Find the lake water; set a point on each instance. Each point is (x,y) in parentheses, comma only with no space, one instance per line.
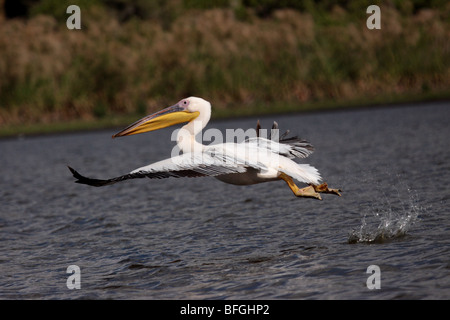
(199,238)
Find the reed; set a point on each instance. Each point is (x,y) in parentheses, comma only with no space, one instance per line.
(234,57)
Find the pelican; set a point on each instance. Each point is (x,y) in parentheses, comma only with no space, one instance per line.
(252,161)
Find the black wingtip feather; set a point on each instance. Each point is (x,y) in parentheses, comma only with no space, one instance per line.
(88,181)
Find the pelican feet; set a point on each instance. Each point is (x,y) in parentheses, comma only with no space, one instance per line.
(323,188)
(307,192)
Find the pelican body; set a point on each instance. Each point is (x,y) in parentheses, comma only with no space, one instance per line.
(252,161)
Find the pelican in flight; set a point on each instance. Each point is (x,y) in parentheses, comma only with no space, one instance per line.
(252,161)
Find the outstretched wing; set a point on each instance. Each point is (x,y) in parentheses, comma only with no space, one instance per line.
(189,165)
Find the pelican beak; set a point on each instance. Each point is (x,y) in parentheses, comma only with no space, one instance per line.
(167,117)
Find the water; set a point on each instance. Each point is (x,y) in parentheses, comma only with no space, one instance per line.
(395,213)
(202,239)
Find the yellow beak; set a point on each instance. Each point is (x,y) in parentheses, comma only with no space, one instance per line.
(167,117)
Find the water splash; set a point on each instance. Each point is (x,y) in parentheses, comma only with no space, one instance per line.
(388,217)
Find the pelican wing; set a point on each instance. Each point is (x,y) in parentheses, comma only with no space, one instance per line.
(209,163)
(212,162)
(296,147)
(290,147)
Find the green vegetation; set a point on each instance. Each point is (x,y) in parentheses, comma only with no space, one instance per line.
(246,57)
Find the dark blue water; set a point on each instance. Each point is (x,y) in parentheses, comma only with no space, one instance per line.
(202,239)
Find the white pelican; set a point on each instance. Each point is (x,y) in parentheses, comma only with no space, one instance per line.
(252,161)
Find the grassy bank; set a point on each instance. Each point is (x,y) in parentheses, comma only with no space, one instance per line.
(245,59)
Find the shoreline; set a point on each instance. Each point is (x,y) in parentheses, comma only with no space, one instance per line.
(255,110)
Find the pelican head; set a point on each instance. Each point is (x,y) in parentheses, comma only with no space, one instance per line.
(186,110)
